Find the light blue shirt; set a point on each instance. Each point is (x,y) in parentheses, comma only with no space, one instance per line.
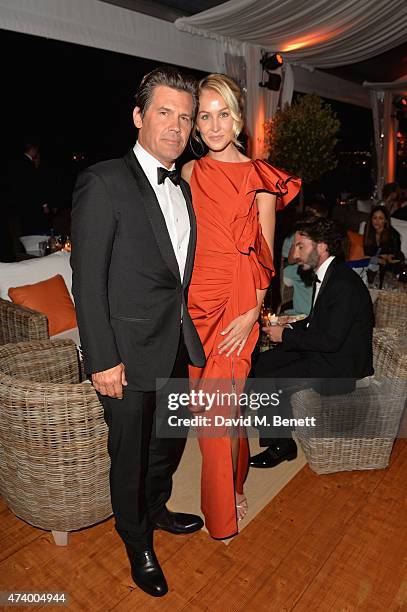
(302,295)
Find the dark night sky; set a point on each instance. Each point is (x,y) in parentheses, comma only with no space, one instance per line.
(72,98)
(68,97)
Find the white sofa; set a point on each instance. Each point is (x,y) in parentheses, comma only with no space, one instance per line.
(32,271)
(31,243)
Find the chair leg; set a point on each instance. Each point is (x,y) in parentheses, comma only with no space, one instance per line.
(60,538)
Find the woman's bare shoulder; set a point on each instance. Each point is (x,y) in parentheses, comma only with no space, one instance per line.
(186,170)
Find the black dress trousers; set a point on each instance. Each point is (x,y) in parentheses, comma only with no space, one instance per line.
(142,464)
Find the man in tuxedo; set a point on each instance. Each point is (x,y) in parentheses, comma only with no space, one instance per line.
(133,242)
(333,342)
(29,191)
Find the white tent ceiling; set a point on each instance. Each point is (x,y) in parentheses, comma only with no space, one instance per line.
(321,34)
(97,24)
(318,34)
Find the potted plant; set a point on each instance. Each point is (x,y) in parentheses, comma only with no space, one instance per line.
(301,138)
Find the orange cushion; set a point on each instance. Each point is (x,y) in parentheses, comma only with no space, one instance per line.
(50,297)
(355,245)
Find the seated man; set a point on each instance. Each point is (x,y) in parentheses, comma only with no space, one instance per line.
(292,277)
(334,341)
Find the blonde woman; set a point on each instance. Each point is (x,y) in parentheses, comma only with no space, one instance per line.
(235,200)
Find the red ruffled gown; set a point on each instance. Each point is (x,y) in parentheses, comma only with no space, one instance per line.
(232,260)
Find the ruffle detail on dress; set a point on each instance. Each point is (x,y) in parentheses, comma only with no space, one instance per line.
(247,233)
(261,263)
(255,267)
(265,177)
(245,228)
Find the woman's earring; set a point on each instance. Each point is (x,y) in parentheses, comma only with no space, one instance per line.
(198,141)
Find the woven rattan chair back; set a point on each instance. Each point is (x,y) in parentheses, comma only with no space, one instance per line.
(19,324)
(391,310)
(54,465)
(371,415)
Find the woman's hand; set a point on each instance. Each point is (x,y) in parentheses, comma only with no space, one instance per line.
(388,259)
(237,332)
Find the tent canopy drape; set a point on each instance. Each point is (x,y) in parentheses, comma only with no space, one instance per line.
(318,34)
(321,34)
(105,26)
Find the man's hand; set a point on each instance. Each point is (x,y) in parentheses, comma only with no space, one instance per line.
(110,382)
(274,332)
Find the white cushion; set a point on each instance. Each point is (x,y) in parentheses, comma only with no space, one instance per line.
(69,334)
(362,226)
(31,271)
(31,243)
(401,227)
(363,383)
(364,205)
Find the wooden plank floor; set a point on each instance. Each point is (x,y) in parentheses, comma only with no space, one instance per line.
(334,542)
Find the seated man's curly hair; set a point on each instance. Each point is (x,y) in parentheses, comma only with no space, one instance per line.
(320,229)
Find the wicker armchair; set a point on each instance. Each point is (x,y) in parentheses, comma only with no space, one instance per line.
(356,431)
(391,310)
(54,465)
(18,324)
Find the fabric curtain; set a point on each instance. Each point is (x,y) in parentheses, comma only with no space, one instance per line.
(235,67)
(242,64)
(318,34)
(288,85)
(321,33)
(384,138)
(377,99)
(389,131)
(105,26)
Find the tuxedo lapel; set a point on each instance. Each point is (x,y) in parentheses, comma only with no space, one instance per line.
(154,213)
(327,276)
(192,235)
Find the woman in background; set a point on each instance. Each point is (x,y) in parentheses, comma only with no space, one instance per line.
(379,234)
(235,200)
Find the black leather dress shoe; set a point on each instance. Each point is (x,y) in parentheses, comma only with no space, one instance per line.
(178,522)
(275,454)
(146,572)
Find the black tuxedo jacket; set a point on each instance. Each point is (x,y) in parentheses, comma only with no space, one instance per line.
(337,343)
(27,195)
(126,282)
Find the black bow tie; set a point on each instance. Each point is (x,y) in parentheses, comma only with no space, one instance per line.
(315,278)
(309,277)
(163,173)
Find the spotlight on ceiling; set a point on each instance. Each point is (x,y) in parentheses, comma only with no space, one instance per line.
(273,83)
(271,61)
(400,104)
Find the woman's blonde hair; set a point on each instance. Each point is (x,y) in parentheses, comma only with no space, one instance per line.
(231,93)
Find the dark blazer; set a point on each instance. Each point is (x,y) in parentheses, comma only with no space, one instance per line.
(338,340)
(27,195)
(126,282)
(400,213)
(334,341)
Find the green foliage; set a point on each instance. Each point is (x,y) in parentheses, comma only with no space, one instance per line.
(301,138)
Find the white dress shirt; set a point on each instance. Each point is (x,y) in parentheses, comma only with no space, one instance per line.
(321,274)
(172,204)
